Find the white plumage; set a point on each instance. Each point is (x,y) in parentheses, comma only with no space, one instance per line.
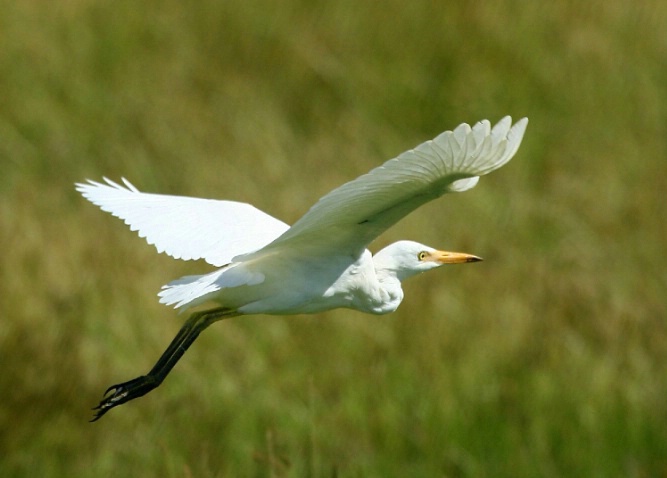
(322,261)
(184,227)
(251,245)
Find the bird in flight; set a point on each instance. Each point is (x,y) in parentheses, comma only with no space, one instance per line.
(264,266)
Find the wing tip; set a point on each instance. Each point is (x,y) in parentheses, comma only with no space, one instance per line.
(509,136)
(89,185)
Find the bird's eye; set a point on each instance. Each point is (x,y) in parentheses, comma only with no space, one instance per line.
(421,256)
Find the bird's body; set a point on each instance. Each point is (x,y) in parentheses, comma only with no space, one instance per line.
(362,282)
(338,281)
(322,261)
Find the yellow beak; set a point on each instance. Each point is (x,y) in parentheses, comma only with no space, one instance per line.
(446,257)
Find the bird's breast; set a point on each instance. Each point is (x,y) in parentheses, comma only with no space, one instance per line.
(315,286)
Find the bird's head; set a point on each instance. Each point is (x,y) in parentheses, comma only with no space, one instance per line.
(404,259)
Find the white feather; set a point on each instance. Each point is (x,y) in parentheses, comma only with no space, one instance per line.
(184,227)
(351,216)
(306,267)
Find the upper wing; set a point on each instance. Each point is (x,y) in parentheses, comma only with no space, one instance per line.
(348,218)
(184,227)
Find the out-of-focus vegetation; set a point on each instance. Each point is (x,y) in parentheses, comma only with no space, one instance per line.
(549,359)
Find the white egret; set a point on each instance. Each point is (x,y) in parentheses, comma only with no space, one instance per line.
(321,262)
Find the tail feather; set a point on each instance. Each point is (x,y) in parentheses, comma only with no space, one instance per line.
(184,292)
(189,291)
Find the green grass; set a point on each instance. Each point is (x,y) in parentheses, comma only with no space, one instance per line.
(548,359)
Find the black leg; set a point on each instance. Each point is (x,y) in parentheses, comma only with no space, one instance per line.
(126,391)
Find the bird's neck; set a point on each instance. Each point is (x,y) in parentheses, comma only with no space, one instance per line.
(390,291)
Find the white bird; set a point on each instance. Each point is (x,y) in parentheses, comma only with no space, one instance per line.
(322,261)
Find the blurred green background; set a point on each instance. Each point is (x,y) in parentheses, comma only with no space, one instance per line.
(548,359)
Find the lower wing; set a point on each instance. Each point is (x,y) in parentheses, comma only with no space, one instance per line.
(184,227)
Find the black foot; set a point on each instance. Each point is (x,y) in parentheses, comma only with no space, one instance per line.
(124,392)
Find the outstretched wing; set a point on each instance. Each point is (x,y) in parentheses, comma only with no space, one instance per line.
(184,227)
(347,219)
